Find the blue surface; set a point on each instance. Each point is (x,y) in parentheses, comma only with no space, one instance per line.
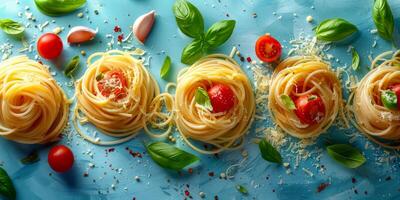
(262,179)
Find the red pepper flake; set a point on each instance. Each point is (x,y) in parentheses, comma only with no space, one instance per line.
(85,174)
(322,187)
(111,149)
(248,59)
(117,29)
(120,37)
(190,170)
(210,173)
(40,62)
(187,193)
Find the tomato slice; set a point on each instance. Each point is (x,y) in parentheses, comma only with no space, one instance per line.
(222,98)
(268,49)
(396,89)
(113,82)
(310,109)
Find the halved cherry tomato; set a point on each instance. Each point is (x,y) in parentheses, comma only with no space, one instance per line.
(222,98)
(396,90)
(113,82)
(49,46)
(60,158)
(268,49)
(310,109)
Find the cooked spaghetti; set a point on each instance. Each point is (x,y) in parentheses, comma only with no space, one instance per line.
(377,122)
(310,77)
(116,95)
(33,108)
(223,130)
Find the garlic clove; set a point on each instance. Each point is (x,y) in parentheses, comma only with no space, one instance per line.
(80,34)
(143,25)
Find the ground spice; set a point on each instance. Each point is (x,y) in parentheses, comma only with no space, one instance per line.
(322,187)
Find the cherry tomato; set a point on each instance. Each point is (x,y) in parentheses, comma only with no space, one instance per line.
(60,158)
(268,49)
(114,82)
(49,46)
(222,98)
(309,109)
(396,90)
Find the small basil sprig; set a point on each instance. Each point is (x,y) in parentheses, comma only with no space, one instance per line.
(165,67)
(11,27)
(335,29)
(58,7)
(242,189)
(6,186)
(389,99)
(72,66)
(346,155)
(355,61)
(288,102)
(31,158)
(191,23)
(201,97)
(268,152)
(170,157)
(383,19)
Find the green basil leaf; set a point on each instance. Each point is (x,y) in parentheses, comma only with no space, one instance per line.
(166,67)
(170,157)
(11,27)
(288,102)
(389,99)
(242,189)
(6,186)
(219,33)
(193,51)
(31,158)
(333,30)
(99,76)
(189,19)
(58,7)
(383,19)
(72,66)
(268,152)
(346,155)
(355,61)
(201,97)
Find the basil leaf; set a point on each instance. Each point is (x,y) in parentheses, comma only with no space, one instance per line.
(170,157)
(268,152)
(165,68)
(346,155)
(242,189)
(99,76)
(189,19)
(31,158)
(219,33)
(383,19)
(11,27)
(201,97)
(72,66)
(193,51)
(58,7)
(6,186)
(355,61)
(288,102)
(335,29)
(389,99)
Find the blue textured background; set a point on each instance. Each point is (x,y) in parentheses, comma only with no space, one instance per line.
(262,179)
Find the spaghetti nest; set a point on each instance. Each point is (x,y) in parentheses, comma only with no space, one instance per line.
(380,124)
(304,76)
(116,95)
(34,109)
(223,130)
